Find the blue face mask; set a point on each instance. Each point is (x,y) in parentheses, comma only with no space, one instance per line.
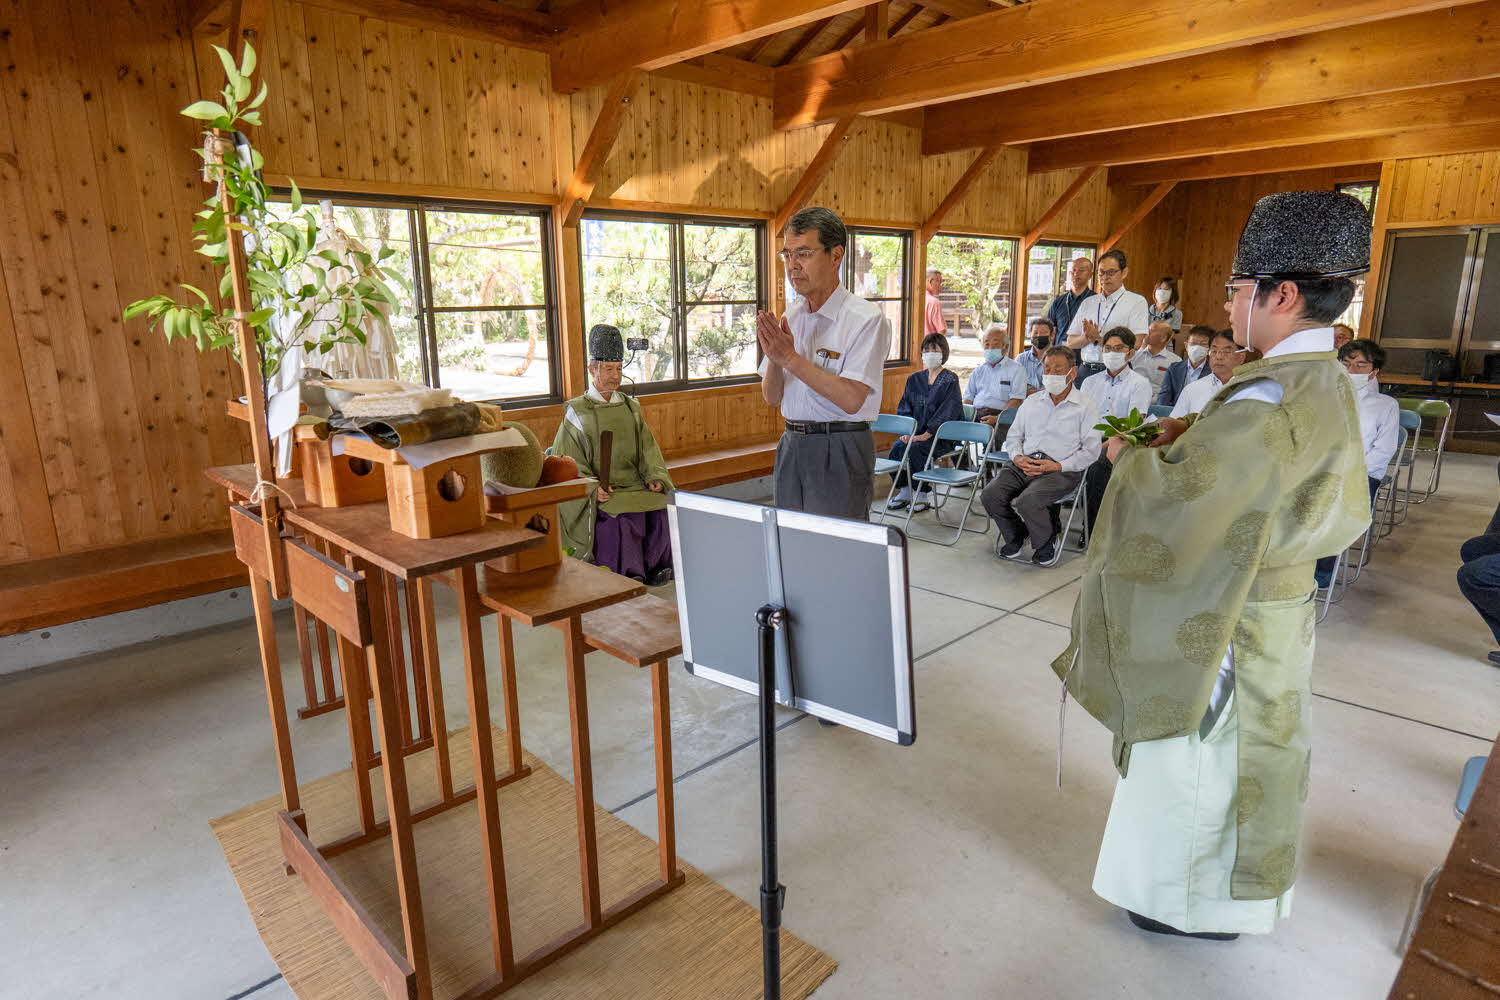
(993,356)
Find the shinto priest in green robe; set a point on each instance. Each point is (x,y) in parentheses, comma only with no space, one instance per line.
(1192,638)
(623,527)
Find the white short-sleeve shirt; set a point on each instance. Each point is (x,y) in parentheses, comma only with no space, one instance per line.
(855,336)
(1196,396)
(1123,308)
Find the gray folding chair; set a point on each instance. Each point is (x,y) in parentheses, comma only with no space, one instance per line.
(1406,459)
(961,433)
(1073,500)
(1159,411)
(892,423)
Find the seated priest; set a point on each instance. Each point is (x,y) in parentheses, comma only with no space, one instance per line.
(623,524)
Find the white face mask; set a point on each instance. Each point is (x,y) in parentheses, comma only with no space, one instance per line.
(1055,384)
(1163,296)
(1114,360)
(1360,379)
(932,359)
(1196,354)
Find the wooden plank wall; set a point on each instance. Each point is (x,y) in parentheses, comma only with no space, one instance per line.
(1444,190)
(105,430)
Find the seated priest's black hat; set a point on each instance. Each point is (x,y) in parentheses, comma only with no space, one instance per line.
(1304,235)
(606,344)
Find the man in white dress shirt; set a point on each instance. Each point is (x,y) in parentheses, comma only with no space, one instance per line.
(1115,391)
(1379,420)
(1155,357)
(1050,443)
(1224,356)
(999,383)
(1113,306)
(823,366)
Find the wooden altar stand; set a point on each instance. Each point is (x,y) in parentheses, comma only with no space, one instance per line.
(354,599)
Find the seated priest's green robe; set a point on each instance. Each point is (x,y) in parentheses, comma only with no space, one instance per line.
(1203,555)
(635,462)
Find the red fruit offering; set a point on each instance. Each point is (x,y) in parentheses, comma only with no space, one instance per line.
(558,469)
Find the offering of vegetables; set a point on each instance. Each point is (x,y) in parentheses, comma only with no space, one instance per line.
(1132,429)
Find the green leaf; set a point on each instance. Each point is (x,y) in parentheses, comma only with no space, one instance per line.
(230,70)
(247,65)
(296,196)
(241,87)
(196,291)
(251,118)
(260,316)
(205,111)
(260,97)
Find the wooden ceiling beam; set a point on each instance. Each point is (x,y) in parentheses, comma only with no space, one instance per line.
(816,171)
(1035,43)
(1347,118)
(957,193)
(1419,50)
(1063,201)
(603,40)
(726,72)
(600,141)
(877,22)
(496,22)
(803,41)
(960,8)
(1402,145)
(904,20)
(1141,211)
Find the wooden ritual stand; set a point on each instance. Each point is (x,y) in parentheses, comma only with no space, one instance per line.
(356,599)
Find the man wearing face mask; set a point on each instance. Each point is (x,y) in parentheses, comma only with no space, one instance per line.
(1189,369)
(1043,336)
(1050,443)
(998,383)
(1192,636)
(824,366)
(1155,357)
(1379,421)
(1115,392)
(1224,356)
(1061,310)
(1113,306)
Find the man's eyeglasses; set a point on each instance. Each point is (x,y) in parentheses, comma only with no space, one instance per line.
(1221,352)
(801,254)
(1231,286)
(1108,272)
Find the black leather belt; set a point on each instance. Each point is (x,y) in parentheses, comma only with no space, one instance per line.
(831,427)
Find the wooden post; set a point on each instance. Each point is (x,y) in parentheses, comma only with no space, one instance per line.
(596,150)
(583,772)
(427,617)
(661,717)
(1383,197)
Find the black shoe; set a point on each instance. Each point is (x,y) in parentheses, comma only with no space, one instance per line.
(1495,657)
(1012,549)
(1046,553)
(661,576)
(1157,927)
(828,725)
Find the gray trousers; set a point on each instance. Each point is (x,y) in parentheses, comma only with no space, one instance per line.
(831,474)
(1018,502)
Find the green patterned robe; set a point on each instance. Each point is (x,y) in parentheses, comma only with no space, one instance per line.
(635,462)
(1210,540)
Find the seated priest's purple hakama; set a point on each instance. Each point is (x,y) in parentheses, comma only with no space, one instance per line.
(623,524)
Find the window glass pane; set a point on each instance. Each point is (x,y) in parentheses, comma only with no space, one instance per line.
(876,270)
(376,228)
(720,264)
(721,340)
(1041,280)
(627,282)
(485,259)
(493,354)
(977,275)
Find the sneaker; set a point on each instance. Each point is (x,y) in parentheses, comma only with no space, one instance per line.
(1012,549)
(900,500)
(661,576)
(1494,657)
(1046,553)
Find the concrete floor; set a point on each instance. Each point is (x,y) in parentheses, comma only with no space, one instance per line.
(952,869)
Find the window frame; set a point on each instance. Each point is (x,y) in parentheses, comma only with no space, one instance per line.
(417,208)
(846,275)
(677,244)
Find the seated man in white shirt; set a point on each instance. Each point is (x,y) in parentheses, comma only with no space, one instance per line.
(1379,421)
(1224,356)
(999,383)
(1115,392)
(1050,443)
(1156,356)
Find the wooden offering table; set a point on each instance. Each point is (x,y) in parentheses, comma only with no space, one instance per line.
(357,600)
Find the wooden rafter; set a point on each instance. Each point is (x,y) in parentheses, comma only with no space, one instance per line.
(1141,211)
(876,22)
(1063,201)
(957,193)
(816,171)
(803,41)
(725,72)
(905,19)
(603,40)
(1022,46)
(600,141)
(476,18)
(1401,145)
(1418,50)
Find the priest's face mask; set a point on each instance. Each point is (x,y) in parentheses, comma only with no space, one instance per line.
(605,376)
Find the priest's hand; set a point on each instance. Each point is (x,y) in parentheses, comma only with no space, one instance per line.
(1113,447)
(775,337)
(655,486)
(1171,430)
(602,495)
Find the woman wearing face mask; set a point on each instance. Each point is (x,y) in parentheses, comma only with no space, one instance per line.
(931,397)
(1164,304)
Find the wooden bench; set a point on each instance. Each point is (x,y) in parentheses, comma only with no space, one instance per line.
(702,469)
(645,632)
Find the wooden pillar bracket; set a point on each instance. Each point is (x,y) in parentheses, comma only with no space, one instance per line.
(959,190)
(816,171)
(600,141)
(1141,211)
(1063,201)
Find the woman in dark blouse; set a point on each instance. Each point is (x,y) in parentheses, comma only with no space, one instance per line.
(933,397)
